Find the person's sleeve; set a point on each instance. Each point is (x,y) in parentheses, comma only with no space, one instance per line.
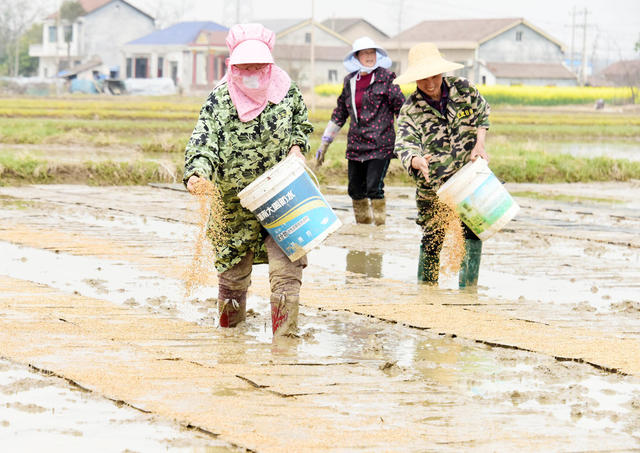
(340,113)
(408,141)
(201,153)
(481,106)
(302,127)
(396,98)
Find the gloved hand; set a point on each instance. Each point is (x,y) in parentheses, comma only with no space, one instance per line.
(320,153)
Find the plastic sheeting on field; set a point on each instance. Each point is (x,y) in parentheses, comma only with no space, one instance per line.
(33,86)
(152,87)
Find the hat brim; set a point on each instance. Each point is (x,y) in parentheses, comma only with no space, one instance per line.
(426,69)
(251,51)
(354,52)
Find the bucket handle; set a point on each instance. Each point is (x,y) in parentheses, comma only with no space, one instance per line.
(312,174)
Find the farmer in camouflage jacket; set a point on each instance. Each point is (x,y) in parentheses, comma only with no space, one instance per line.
(441,126)
(251,121)
(371,100)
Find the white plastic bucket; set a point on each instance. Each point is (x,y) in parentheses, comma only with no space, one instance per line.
(480,199)
(290,207)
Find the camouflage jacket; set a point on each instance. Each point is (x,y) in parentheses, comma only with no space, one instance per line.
(232,154)
(448,138)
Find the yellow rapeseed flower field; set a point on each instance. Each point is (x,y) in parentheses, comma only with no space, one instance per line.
(525,94)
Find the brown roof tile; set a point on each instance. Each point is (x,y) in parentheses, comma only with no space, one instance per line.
(456,30)
(303,52)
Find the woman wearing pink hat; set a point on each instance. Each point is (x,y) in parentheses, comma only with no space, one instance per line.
(372,101)
(251,121)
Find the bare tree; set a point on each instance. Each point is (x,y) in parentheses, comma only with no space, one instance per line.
(16,17)
(70,10)
(168,12)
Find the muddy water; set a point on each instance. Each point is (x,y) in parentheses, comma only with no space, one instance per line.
(551,277)
(45,413)
(629,151)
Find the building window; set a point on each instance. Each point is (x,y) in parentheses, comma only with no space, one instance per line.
(53,33)
(160,66)
(307,38)
(518,36)
(333,75)
(68,33)
(141,68)
(129,68)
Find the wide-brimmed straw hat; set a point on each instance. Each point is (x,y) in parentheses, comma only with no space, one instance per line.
(425,61)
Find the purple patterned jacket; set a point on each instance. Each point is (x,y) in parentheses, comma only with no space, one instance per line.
(371,134)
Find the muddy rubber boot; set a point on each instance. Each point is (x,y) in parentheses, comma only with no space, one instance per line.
(470,266)
(284,314)
(362,211)
(379,210)
(232,307)
(428,267)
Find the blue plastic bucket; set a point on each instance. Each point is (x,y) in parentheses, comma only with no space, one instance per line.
(479,198)
(290,207)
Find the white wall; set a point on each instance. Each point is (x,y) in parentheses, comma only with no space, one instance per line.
(108,28)
(533,47)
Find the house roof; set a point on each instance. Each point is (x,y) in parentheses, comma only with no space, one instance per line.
(216,38)
(90,6)
(342,24)
(476,30)
(302,52)
(180,33)
(530,70)
(622,68)
(279,25)
(285,26)
(80,68)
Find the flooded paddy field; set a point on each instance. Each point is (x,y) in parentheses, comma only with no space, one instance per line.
(99,343)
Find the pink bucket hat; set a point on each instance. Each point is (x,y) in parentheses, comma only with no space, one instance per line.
(250,43)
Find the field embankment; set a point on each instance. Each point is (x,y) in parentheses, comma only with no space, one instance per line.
(136,140)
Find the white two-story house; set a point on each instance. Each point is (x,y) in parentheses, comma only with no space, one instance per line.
(93,40)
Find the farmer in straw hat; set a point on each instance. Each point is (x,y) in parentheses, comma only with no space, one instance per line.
(441,126)
(372,102)
(251,121)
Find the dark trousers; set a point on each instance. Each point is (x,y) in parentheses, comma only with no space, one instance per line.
(366,179)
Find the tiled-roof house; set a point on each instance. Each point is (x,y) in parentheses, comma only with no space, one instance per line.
(503,51)
(93,38)
(191,53)
(292,50)
(354,28)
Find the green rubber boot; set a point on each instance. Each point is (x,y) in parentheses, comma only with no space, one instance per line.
(470,266)
(428,267)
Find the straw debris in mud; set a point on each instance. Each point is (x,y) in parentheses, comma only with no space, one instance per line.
(211,231)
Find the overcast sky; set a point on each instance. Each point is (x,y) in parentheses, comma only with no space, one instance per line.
(613,26)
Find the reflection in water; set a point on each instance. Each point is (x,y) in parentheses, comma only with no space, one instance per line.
(366,263)
(451,363)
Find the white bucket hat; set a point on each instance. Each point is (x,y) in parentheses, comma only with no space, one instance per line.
(425,61)
(364,43)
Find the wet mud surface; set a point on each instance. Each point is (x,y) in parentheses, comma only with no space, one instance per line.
(545,355)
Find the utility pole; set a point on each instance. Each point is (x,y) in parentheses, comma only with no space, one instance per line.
(399,42)
(583,70)
(573,38)
(312,76)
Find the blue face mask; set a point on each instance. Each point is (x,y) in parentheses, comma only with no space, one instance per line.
(353,64)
